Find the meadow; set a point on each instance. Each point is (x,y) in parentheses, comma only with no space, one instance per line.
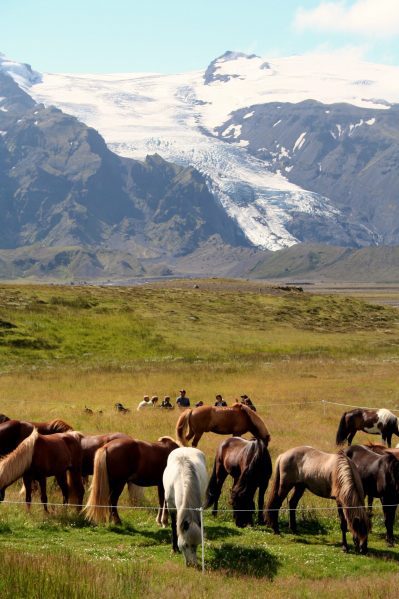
(66,347)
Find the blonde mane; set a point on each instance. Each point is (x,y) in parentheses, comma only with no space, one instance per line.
(13,465)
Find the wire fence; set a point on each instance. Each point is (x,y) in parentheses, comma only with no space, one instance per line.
(199,510)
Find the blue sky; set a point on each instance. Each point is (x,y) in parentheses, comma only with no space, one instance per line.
(175,35)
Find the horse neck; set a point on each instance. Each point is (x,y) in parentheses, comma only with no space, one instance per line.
(252,458)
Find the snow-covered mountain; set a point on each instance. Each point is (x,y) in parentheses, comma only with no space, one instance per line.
(181,117)
(189,119)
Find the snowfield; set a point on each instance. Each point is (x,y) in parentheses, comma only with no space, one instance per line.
(175,116)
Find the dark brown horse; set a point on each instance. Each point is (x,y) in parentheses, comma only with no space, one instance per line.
(379,472)
(124,461)
(376,422)
(249,463)
(38,457)
(329,475)
(90,444)
(237,420)
(12,432)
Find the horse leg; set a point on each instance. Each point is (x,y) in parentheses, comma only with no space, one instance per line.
(261,502)
(77,486)
(221,476)
(388,438)
(196,439)
(389,518)
(344,527)
(292,504)
(162,516)
(28,490)
(174,531)
(275,504)
(43,493)
(370,500)
(61,479)
(116,490)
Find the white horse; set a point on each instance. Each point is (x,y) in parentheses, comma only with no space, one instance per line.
(185,481)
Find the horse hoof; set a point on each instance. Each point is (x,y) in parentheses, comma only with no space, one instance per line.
(345,549)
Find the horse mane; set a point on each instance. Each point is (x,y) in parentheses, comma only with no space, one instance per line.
(347,488)
(59,426)
(249,478)
(13,465)
(258,423)
(3,418)
(191,499)
(166,438)
(376,447)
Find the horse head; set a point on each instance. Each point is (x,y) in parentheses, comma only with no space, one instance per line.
(189,537)
(243,508)
(361,529)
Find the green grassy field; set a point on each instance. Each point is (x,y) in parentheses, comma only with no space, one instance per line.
(64,348)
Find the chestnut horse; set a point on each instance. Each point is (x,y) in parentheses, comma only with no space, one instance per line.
(38,457)
(237,420)
(379,471)
(377,422)
(329,475)
(249,463)
(124,461)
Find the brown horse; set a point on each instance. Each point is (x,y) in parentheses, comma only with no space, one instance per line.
(90,444)
(12,432)
(237,420)
(329,475)
(249,463)
(38,457)
(378,467)
(124,461)
(377,422)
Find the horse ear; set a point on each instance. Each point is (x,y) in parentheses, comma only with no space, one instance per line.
(186,525)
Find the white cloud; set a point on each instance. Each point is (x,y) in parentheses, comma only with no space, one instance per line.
(376,18)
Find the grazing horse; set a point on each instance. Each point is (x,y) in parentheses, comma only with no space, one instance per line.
(38,457)
(237,420)
(124,461)
(249,463)
(329,475)
(377,422)
(185,479)
(379,472)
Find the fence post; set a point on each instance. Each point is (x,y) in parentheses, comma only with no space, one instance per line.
(201,510)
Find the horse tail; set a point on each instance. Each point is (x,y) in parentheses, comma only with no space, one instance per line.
(97,507)
(258,427)
(347,488)
(250,475)
(269,513)
(18,461)
(342,432)
(211,491)
(182,425)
